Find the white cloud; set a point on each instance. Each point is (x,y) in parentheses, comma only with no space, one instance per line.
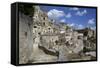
(68,15)
(55,14)
(71,24)
(81,13)
(74,8)
(80,26)
(76,26)
(93,28)
(91,21)
(63,20)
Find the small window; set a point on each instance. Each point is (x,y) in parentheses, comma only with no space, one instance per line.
(44,18)
(44,23)
(79,37)
(49,28)
(39,33)
(56,42)
(35,26)
(25,34)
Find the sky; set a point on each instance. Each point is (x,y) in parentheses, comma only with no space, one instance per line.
(77,17)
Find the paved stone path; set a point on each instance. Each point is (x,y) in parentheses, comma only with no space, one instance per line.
(40,56)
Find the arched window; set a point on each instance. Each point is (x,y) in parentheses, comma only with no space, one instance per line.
(43,18)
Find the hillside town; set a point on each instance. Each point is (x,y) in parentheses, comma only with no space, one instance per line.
(42,40)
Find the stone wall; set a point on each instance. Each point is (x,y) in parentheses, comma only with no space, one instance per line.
(25,38)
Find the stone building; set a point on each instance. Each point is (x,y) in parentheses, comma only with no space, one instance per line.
(41,21)
(49,40)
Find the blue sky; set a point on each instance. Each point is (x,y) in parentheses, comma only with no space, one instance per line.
(73,16)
